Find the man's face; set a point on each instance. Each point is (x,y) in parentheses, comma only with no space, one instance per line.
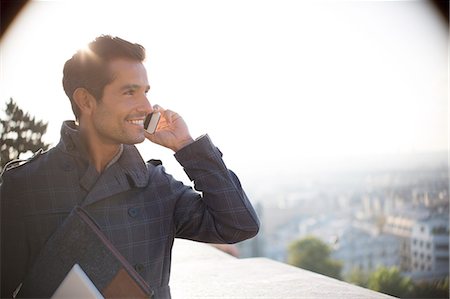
(119,115)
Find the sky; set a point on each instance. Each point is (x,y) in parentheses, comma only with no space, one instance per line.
(280,86)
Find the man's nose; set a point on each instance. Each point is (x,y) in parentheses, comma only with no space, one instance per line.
(145,106)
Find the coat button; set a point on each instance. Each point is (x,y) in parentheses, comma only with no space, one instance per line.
(139,268)
(133,212)
(67,166)
(70,146)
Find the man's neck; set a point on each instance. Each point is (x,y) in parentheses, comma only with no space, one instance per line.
(100,154)
(101,157)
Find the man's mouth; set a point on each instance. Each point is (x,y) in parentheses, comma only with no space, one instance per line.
(137,122)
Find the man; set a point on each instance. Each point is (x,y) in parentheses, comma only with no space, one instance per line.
(139,207)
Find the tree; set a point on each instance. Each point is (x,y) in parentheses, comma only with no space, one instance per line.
(312,254)
(432,289)
(20,133)
(357,277)
(390,281)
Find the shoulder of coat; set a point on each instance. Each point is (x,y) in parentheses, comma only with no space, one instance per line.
(20,162)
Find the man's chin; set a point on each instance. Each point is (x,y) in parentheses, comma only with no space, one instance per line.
(138,139)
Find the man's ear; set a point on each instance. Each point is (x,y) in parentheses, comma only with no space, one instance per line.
(84,100)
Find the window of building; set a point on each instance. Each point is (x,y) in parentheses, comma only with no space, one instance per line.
(442,260)
(441,230)
(441,247)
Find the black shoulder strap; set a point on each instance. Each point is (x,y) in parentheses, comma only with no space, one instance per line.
(155,162)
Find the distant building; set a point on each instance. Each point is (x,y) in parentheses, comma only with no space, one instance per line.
(424,250)
(366,251)
(401,227)
(430,248)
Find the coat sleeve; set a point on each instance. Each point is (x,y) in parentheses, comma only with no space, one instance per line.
(221,212)
(14,251)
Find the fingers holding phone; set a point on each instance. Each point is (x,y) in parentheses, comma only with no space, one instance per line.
(167,128)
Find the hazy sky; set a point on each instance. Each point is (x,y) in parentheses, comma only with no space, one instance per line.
(277,84)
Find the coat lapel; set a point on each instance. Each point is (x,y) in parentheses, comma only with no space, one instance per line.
(129,171)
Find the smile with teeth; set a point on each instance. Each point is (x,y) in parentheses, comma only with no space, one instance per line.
(138,122)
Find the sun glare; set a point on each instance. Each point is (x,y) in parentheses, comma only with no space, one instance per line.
(85,49)
(310,78)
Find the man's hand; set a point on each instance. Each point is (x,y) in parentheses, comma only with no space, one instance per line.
(172,132)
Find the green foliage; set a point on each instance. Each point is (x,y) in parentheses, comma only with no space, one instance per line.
(312,254)
(358,277)
(20,133)
(437,289)
(390,281)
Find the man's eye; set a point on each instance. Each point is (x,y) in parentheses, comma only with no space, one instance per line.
(129,92)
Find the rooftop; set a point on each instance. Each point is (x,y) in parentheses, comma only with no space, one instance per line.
(202,271)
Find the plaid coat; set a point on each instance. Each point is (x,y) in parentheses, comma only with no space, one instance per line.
(137,205)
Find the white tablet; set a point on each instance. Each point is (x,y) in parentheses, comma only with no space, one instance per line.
(77,285)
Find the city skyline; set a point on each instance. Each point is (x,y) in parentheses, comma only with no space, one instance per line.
(390,218)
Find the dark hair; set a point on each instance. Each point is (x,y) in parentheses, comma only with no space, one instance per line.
(89,68)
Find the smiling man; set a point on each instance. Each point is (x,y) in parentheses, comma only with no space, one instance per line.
(137,205)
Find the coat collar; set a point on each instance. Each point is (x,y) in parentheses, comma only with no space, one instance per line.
(127,170)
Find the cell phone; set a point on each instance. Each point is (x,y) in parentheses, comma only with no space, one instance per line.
(151,122)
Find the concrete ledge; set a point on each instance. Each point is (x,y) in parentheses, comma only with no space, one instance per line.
(201,271)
